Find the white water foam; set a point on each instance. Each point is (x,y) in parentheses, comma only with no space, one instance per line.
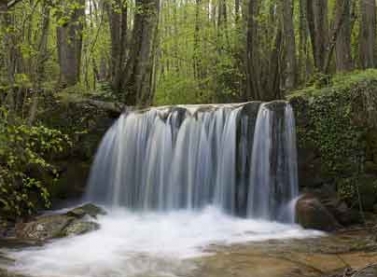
(147,244)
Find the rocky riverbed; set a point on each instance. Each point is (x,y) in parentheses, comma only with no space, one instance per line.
(348,252)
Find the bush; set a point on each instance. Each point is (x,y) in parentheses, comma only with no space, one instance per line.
(25,155)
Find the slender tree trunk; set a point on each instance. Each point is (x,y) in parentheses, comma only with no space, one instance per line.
(237,6)
(138,88)
(318,27)
(3,42)
(303,53)
(222,22)
(69,41)
(368,33)
(118,17)
(274,71)
(289,45)
(196,58)
(8,54)
(343,41)
(251,64)
(41,61)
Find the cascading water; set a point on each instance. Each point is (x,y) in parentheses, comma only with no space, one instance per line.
(191,157)
(234,159)
(273,181)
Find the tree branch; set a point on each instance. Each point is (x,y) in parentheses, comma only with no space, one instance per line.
(12,3)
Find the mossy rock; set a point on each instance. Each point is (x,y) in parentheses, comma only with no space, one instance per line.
(44,228)
(55,226)
(86,210)
(371,140)
(312,214)
(79,228)
(337,125)
(368,192)
(371,167)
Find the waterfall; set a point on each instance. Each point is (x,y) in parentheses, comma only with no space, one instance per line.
(273,174)
(240,158)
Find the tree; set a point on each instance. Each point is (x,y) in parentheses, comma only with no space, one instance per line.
(118,16)
(71,19)
(251,64)
(368,33)
(343,41)
(318,27)
(290,44)
(138,75)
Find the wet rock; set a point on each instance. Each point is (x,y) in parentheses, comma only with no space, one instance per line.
(80,228)
(370,271)
(54,226)
(6,273)
(44,228)
(86,210)
(312,214)
(14,243)
(367,188)
(340,210)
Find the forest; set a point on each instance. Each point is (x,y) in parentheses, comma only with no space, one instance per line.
(151,52)
(176,105)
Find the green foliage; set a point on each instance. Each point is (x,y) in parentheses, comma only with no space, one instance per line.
(199,60)
(25,154)
(338,125)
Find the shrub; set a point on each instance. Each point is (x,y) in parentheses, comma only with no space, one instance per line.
(25,168)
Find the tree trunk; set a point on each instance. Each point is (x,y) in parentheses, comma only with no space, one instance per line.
(318,28)
(117,12)
(4,40)
(41,61)
(304,61)
(343,41)
(251,65)
(69,41)
(368,33)
(140,65)
(8,55)
(237,6)
(196,58)
(290,45)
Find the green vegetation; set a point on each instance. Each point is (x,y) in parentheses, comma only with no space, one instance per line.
(341,126)
(57,56)
(26,171)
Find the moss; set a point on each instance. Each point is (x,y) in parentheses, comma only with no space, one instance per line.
(339,121)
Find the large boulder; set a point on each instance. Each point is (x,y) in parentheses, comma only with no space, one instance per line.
(75,222)
(312,214)
(43,228)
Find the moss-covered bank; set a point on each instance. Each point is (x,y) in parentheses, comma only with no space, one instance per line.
(337,137)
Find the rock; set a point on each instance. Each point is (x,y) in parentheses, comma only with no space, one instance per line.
(312,214)
(43,228)
(87,209)
(54,226)
(369,271)
(370,167)
(80,228)
(6,273)
(14,243)
(367,188)
(340,210)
